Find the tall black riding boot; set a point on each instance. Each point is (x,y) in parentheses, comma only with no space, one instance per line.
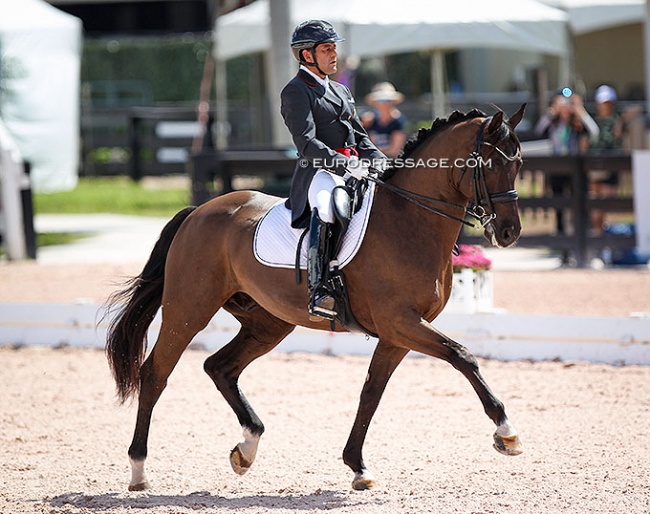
(321,305)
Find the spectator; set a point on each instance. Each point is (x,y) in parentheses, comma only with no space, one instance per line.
(385,123)
(612,127)
(568,126)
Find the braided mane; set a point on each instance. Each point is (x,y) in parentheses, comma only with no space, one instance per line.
(423,134)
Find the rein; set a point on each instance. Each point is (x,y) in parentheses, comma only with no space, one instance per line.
(481,194)
(419,200)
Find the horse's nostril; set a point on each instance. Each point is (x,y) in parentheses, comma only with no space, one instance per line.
(508,234)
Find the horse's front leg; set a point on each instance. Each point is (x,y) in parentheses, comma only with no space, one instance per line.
(421,337)
(384,361)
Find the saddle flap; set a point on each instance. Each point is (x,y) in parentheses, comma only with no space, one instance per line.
(275,242)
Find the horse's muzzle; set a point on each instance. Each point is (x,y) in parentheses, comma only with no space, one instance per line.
(502,234)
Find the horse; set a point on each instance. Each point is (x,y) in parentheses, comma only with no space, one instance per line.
(398,282)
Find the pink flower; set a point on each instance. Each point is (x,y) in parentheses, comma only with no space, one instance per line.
(472,257)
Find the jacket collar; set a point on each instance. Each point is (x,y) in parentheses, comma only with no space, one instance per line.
(309,79)
(327,93)
(315,78)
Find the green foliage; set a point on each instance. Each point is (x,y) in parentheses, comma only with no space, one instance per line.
(56,238)
(409,72)
(118,195)
(143,70)
(106,155)
(241,74)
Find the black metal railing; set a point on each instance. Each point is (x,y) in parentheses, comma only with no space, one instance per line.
(555,200)
(557,189)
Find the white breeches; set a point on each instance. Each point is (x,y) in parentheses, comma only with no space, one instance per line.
(320,193)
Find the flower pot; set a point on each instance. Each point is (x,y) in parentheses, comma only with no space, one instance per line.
(472,291)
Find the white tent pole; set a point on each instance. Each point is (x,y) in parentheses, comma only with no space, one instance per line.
(12,177)
(641,158)
(438,93)
(646,44)
(567,70)
(280,67)
(221,104)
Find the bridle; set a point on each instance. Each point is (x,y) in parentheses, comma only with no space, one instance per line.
(482,207)
(482,196)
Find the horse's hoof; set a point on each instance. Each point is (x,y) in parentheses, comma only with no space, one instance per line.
(508,445)
(363,481)
(239,463)
(142,486)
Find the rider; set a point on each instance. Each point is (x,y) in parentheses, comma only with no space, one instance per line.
(332,146)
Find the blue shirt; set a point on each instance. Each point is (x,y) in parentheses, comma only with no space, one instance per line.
(381,134)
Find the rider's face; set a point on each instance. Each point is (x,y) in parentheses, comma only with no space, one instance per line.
(326,58)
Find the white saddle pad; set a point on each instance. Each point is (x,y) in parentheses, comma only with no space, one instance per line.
(275,241)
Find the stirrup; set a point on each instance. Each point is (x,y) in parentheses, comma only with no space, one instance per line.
(322,308)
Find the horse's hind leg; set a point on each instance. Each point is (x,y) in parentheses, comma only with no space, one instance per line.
(177,330)
(259,334)
(153,379)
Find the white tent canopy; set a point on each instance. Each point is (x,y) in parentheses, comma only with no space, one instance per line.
(591,15)
(418,24)
(376,27)
(383,27)
(40,50)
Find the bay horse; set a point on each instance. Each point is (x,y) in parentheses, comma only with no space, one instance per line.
(398,282)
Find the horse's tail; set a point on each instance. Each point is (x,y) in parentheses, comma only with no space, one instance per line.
(132,311)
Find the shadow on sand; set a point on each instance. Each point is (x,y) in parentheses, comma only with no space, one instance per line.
(318,500)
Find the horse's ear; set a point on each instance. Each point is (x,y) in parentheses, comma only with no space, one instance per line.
(495,123)
(514,120)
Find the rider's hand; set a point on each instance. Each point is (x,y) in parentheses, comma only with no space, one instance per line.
(378,167)
(357,168)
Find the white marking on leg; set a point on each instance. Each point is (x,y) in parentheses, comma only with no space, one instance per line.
(137,472)
(363,480)
(506,429)
(248,447)
(243,455)
(506,440)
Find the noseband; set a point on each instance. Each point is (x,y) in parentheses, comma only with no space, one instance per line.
(482,207)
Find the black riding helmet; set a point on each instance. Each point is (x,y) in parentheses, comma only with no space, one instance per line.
(308,35)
